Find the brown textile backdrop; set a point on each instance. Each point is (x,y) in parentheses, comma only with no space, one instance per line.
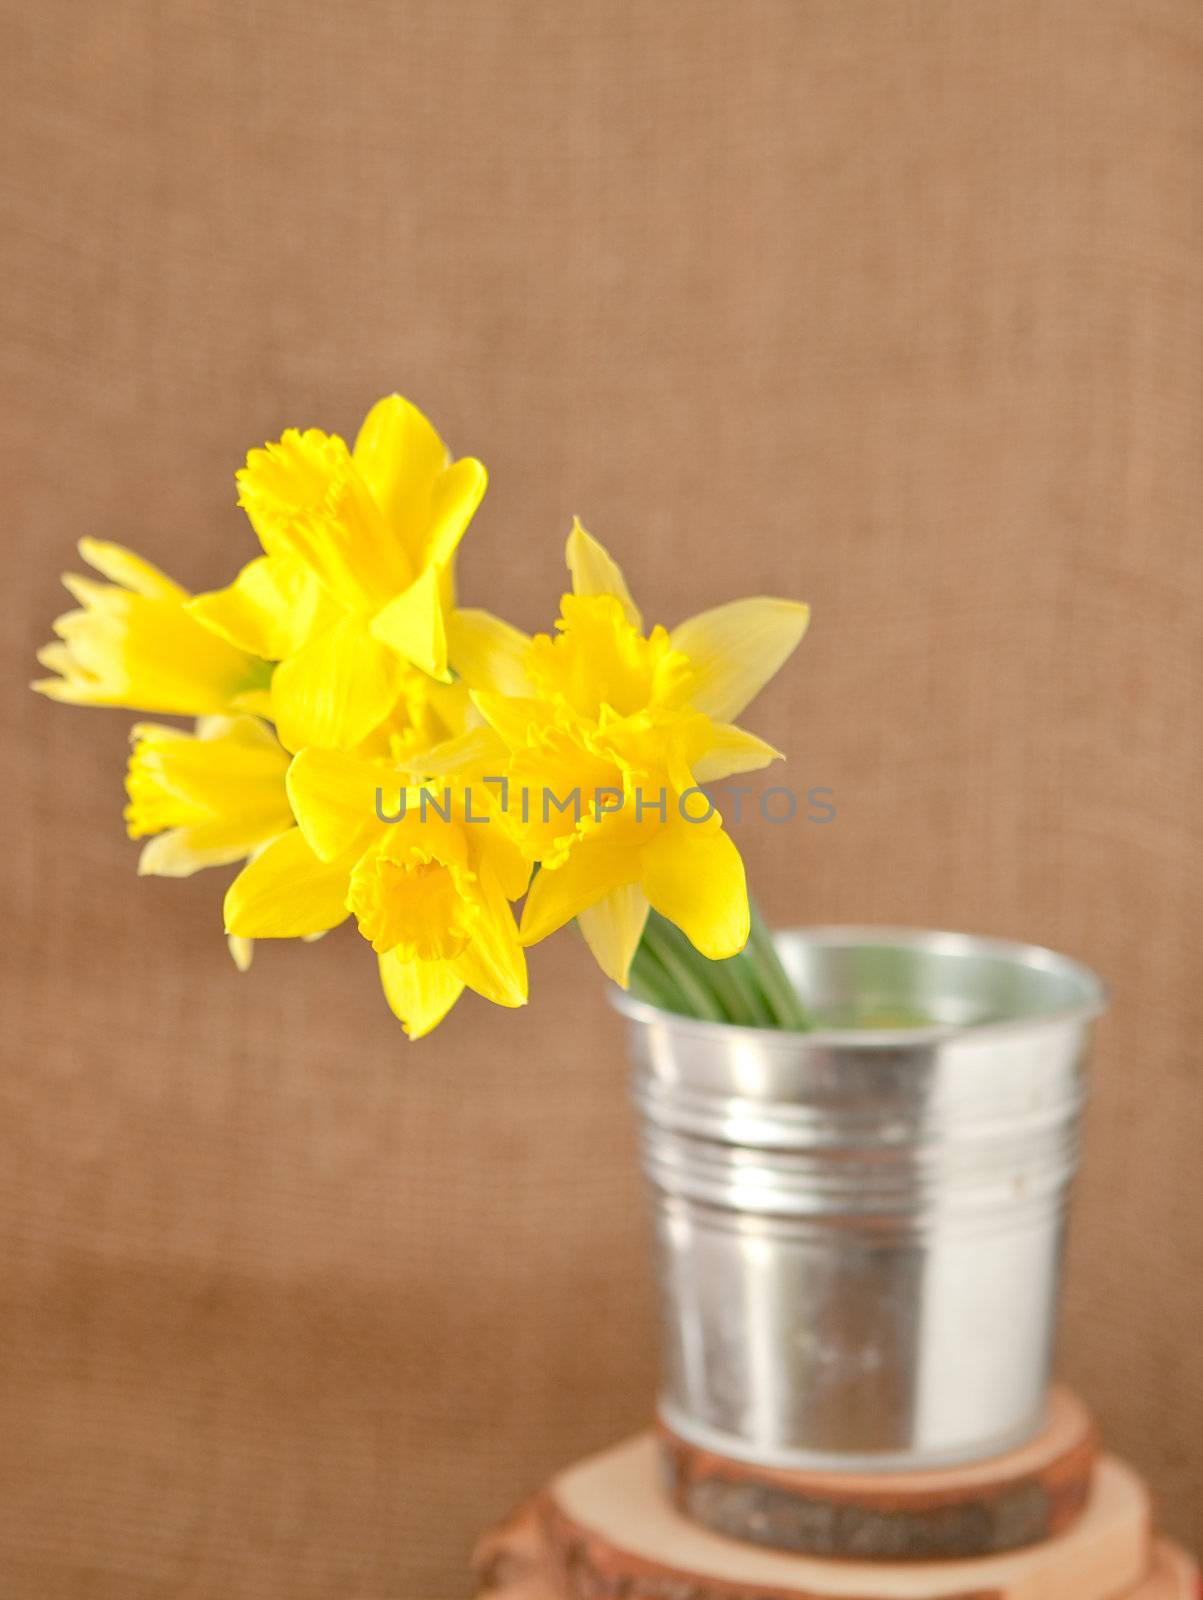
(892,306)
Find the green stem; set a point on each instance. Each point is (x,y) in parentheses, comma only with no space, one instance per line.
(779,991)
(757,1012)
(696,997)
(751,988)
(731,981)
(674,951)
(649,981)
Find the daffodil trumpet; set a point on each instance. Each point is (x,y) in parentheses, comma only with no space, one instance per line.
(337,670)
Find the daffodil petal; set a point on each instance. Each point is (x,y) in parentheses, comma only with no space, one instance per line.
(731,750)
(71,691)
(478,749)
(286,892)
(242,951)
(123,567)
(250,731)
(334,799)
(179,852)
(427,499)
(488,653)
(336,690)
(400,457)
(141,649)
(558,894)
(55,655)
(457,493)
(497,847)
(413,625)
(273,607)
(493,964)
(693,875)
(419,993)
(306,498)
(212,797)
(735,649)
(613,928)
(510,716)
(594,571)
(255,702)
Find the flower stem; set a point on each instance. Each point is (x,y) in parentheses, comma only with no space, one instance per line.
(751,989)
(649,981)
(689,990)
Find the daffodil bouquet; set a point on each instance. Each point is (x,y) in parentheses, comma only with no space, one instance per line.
(366,748)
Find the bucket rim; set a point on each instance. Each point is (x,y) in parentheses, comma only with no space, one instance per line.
(937,941)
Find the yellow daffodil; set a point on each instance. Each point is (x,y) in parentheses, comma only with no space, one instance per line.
(133,643)
(426,714)
(205,799)
(630,724)
(216,796)
(364,749)
(428,870)
(288,890)
(353,590)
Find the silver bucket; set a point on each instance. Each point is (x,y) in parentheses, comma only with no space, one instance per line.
(859,1229)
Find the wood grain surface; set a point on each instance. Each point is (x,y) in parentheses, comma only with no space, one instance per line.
(605,1530)
(1012,1500)
(610,1530)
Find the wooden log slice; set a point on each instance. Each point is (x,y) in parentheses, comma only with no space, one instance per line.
(513,1560)
(608,1532)
(513,1563)
(1005,1503)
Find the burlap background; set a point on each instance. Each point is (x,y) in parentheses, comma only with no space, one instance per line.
(892,306)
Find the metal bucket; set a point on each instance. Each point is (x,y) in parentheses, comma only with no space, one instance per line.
(859,1229)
